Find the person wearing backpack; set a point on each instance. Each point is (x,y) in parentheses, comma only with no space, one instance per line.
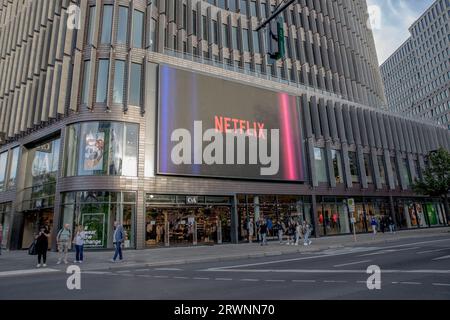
(41,246)
(63,240)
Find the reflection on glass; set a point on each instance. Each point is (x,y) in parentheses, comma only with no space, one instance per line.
(102,81)
(381,169)
(86,80)
(3,161)
(90,31)
(138,29)
(14,163)
(122,27)
(320,164)
(353,166)
(106,24)
(135,84)
(119,80)
(337,166)
(368,168)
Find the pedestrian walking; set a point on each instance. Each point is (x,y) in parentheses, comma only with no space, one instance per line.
(78,241)
(307,229)
(291,233)
(263,232)
(250,228)
(298,232)
(279,228)
(382,224)
(118,237)
(63,240)
(1,238)
(373,223)
(41,246)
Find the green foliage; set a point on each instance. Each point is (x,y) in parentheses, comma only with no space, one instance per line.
(436,177)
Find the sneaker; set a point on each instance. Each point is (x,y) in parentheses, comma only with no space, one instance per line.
(38,265)
(112,260)
(81,261)
(305,244)
(59,262)
(309,242)
(75,261)
(44,265)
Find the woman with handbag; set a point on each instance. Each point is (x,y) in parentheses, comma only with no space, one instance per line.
(42,246)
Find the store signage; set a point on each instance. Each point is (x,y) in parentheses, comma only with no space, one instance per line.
(351,205)
(94,228)
(217,128)
(191,200)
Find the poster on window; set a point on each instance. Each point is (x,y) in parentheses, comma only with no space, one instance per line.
(94,228)
(93,151)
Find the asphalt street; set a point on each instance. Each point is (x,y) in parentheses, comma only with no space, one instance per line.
(410,269)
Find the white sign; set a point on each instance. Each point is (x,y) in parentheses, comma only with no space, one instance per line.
(351,205)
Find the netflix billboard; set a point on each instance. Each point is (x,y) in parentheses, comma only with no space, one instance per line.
(212,127)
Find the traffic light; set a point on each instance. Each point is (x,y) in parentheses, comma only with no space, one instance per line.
(276,39)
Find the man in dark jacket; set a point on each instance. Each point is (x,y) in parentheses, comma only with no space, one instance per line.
(118,238)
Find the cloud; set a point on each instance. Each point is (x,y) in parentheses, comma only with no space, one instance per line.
(396,17)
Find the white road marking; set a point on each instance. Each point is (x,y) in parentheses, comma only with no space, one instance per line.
(430,251)
(143,275)
(254,280)
(96,272)
(441,284)
(387,251)
(161,277)
(142,270)
(331,271)
(223,279)
(168,269)
(334,281)
(180,277)
(26,272)
(305,281)
(199,278)
(315,257)
(351,263)
(441,258)
(410,282)
(269,280)
(124,271)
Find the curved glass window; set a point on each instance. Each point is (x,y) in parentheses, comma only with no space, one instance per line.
(102,80)
(119,80)
(96,212)
(138,29)
(106,24)
(122,28)
(101,148)
(3,161)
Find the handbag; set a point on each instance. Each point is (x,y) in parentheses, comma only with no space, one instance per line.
(32,249)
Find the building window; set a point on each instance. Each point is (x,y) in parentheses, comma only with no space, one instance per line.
(107,23)
(102,81)
(205,28)
(86,80)
(405,172)
(101,148)
(235,38)
(381,168)
(246,40)
(135,95)
(215,32)
(253,8)
(194,23)
(3,163)
(138,29)
(90,29)
(119,81)
(13,166)
(320,165)
(256,43)
(226,37)
(122,28)
(244,7)
(337,166)
(368,168)
(153,34)
(96,212)
(354,172)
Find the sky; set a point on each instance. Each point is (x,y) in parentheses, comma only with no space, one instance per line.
(391,20)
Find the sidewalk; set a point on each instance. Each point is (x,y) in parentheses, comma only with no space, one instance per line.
(100,260)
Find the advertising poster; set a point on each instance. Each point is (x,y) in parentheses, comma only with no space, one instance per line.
(94,227)
(432,216)
(93,151)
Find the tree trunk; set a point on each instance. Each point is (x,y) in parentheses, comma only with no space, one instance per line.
(446,208)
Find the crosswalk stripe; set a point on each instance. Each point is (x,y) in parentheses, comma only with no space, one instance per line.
(26,272)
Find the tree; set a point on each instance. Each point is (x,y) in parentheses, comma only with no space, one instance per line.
(436,177)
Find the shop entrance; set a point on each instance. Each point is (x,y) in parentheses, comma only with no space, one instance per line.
(32,222)
(187,225)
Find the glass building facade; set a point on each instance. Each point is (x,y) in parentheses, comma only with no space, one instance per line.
(87,122)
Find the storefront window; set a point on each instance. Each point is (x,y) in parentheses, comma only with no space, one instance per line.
(6,223)
(187,220)
(13,165)
(3,162)
(353,166)
(368,168)
(332,216)
(337,166)
(381,169)
(320,164)
(96,211)
(102,148)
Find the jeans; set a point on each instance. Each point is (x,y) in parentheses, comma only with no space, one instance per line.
(391,228)
(42,255)
(79,252)
(63,247)
(297,237)
(264,238)
(280,235)
(374,229)
(118,250)
(306,238)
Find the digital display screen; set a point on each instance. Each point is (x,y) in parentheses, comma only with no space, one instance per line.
(212,127)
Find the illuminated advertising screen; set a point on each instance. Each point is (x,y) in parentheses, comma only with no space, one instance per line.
(212,127)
